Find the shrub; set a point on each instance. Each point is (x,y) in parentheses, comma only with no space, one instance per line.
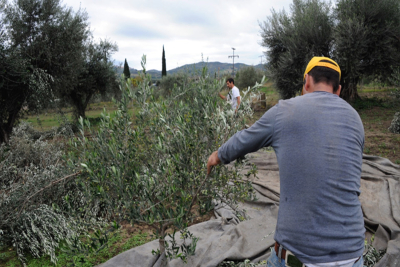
(395,124)
(395,81)
(168,83)
(154,171)
(248,76)
(31,195)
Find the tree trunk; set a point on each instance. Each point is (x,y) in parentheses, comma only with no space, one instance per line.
(161,241)
(6,128)
(79,105)
(81,111)
(349,92)
(4,134)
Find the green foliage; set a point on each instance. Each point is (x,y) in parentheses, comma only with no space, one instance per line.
(50,36)
(395,124)
(48,52)
(97,76)
(154,172)
(127,72)
(21,87)
(366,42)
(116,244)
(248,76)
(245,263)
(187,246)
(395,80)
(369,103)
(30,196)
(359,34)
(293,39)
(372,256)
(172,82)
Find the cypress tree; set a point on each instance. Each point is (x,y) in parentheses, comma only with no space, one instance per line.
(127,73)
(164,64)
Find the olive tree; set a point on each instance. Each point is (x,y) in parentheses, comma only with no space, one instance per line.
(366,41)
(97,76)
(293,39)
(152,169)
(50,36)
(41,50)
(54,38)
(361,35)
(248,76)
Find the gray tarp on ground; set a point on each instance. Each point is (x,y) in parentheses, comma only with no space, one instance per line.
(222,239)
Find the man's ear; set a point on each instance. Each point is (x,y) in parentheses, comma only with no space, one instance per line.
(338,90)
(307,84)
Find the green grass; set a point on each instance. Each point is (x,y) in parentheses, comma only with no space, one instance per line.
(371,88)
(369,103)
(118,243)
(50,119)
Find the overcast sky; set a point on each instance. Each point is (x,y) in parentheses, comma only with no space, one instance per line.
(186,28)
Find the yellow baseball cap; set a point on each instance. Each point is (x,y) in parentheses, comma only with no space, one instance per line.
(322,62)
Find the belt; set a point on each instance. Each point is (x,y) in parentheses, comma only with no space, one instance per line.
(282,253)
(291,260)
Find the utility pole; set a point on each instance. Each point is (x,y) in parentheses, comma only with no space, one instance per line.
(233,58)
(260,58)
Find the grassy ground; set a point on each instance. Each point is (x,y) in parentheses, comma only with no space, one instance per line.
(377,108)
(124,239)
(50,119)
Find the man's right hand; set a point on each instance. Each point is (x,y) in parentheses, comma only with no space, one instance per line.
(212,161)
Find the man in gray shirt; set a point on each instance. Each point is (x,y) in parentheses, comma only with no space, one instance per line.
(318,139)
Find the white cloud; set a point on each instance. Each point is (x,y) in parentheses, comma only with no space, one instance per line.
(186,29)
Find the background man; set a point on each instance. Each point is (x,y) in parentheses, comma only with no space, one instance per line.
(233,95)
(318,139)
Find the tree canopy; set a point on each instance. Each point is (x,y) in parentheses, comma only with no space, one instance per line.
(97,76)
(361,35)
(50,36)
(47,50)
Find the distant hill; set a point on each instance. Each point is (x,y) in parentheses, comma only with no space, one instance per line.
(213,67)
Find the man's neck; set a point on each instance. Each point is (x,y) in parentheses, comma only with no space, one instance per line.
(323,87)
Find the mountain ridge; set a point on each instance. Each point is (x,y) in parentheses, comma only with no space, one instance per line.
(217,68)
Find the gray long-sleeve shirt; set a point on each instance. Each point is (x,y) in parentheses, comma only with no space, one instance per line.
(318,139)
